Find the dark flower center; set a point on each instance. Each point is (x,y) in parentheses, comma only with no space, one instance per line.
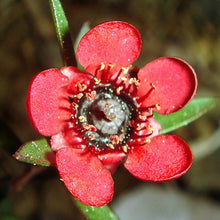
(106,117)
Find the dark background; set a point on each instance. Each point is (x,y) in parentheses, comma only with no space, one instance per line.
(28,45)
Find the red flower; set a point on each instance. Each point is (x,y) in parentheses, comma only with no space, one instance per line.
(103,116)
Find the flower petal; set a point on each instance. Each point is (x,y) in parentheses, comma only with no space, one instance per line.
(77,78)
(85,176)
(172,82)
(110,42)
(166,157)
(47,103)
(112,160)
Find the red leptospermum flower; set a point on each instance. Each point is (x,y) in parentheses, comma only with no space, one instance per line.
(103,116)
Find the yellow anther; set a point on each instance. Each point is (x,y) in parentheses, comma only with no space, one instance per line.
(134,81)
(147,140)
(110,146)
(82,118)
(79,95)
(81,87)
(89,127)
(140,126)
(102,67)
(125,70)
(157,106)
(111,65)
(123,78)
(118,90)
(75,105)
(91,96)
(91,137)
(154,87)
(150,128)
(142,117)
(125,148)
(97,81)
(150,110)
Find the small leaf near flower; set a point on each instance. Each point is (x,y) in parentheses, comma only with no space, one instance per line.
(36,152)
(195,109)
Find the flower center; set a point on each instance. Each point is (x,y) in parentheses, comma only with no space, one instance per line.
(106,117)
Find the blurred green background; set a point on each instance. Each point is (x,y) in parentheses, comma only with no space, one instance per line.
(28,44)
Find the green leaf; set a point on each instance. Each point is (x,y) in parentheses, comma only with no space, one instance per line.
(195,109)
(96,213)
(36,152)
(84,29)
(63,33)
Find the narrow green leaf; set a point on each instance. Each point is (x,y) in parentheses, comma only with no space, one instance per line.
(63,33)
(96,213)
(36,152)
(195,109)
(84,29)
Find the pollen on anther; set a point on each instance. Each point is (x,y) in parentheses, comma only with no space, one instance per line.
(118,90)
(134,81)
(79,95)
(97,81)
(157,106)
(102,67)
(110,146)
(81,87)
(89,127)
(125,148)
(82,118)
(147,140)
(75,105)
(154,87)
(125,70)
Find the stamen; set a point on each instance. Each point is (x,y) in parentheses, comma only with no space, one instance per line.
(125,148)
(147,140)
(91,137)
(91,96)
(82,118)
(157,106)
(97,81)
(79,95)
(123,78)
(111,65)
(140,126)
(125,70)
(142,117)
(102,67)
(81,87)
(134,81)
(110,146)
(75,105)
(153,87)
(151,128)
(118,90)
(89,127)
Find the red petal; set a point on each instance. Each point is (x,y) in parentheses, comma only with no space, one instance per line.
(166,157)
(85,176)
(175,82)
(110,42)
(47,102)
(68,137)
(76,76)
(112,160)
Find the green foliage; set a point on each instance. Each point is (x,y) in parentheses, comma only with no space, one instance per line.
(96,213)
(63,33)
(36,152)
(195,109)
